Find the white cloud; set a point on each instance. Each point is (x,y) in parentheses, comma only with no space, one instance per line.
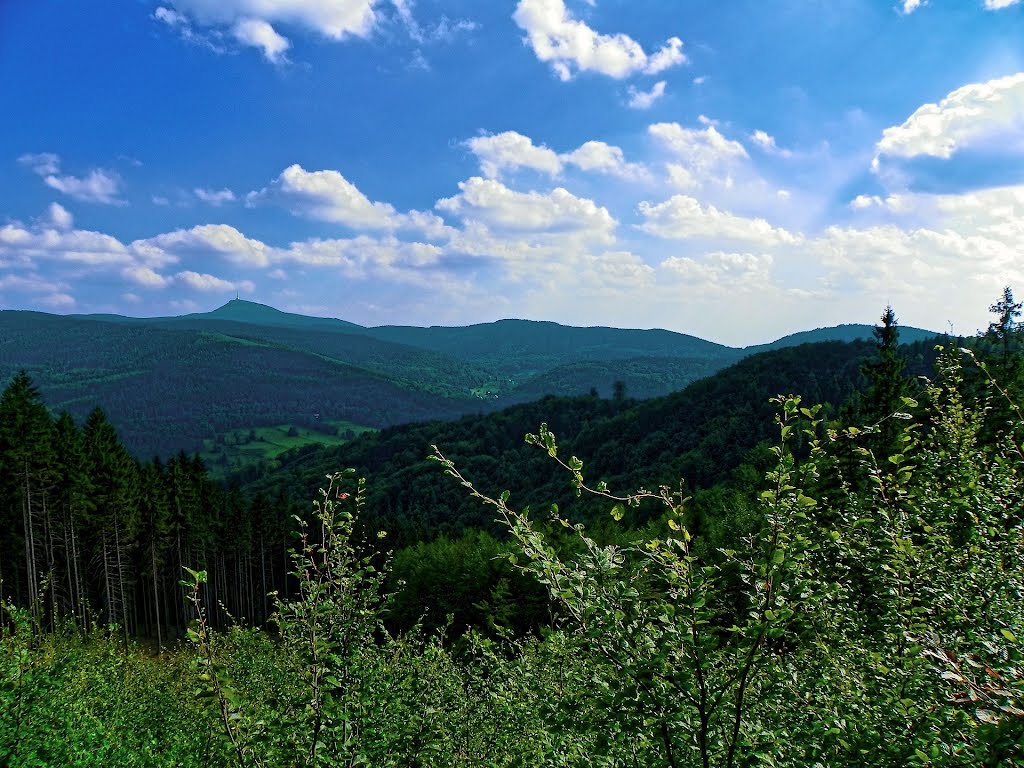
(990,114)
(705,155)
(860,202)
(683,218)
(59,300)
(203,282)
(334,19)
(32,282)
(215,197)
(42,164)
(569,45)
(491,203)
(145,276)
(444,30)
(170,17)
(512,150)
(100,186)
(669,56)
(59,216)
(221,239)
(329,196)
(603,158)
(364,256)
(326,196)
(996,5)
(909,6)
(723,270)
(254,23)
(75,246)
(257,33)
(645,99)
(767,143)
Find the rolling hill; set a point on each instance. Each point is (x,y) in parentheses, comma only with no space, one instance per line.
(175,383)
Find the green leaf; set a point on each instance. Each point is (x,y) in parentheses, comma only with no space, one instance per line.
(617,512)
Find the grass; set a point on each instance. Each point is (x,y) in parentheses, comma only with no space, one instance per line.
(241,448)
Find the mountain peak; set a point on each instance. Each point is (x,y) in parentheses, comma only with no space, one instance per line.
(254,313)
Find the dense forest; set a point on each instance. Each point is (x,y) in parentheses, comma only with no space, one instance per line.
(179,383)
(814,556)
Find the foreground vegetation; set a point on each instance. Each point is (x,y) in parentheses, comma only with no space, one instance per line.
(861,606)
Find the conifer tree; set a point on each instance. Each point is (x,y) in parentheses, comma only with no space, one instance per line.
(115,475)
(888,385)
(74,500)
(1003,330)
(27,472)
(154,519)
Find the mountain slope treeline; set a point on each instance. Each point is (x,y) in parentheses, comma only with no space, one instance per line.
(246,365)
(111,533)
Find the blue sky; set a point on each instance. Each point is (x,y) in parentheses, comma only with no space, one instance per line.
(736,170)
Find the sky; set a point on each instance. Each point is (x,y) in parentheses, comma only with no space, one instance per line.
(733,169)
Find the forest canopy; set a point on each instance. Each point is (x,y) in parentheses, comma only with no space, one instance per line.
(843,589)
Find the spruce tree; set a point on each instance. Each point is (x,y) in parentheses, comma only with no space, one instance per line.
(888,387)
(1004,329)
(27,476)
(116,485)
(74,501)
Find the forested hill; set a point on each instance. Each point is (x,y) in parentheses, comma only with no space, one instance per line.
(845,332)
(166,390)
(702,434)
(185,383)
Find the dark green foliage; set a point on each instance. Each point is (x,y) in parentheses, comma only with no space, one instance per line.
(167,384)
(809,597)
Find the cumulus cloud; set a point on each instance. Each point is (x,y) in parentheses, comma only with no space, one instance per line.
(364,255)
(215,197)
(683,218)
(220,239)
(723,270)
(605,158)
(203,282)
(326,196)
(54,246)
(997,5)
(767,143)
(979,113)
(645,99)
(569,45)
(145,276)
(100,186)
(59,216)
(259,34)
(491,203)
(252,22)
(510,151)
(909,6)
(703,155)
(74,246)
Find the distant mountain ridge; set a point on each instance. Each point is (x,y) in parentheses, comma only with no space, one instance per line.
(169,383)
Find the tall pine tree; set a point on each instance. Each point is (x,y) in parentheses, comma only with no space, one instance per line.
(27,476)
(889,386)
